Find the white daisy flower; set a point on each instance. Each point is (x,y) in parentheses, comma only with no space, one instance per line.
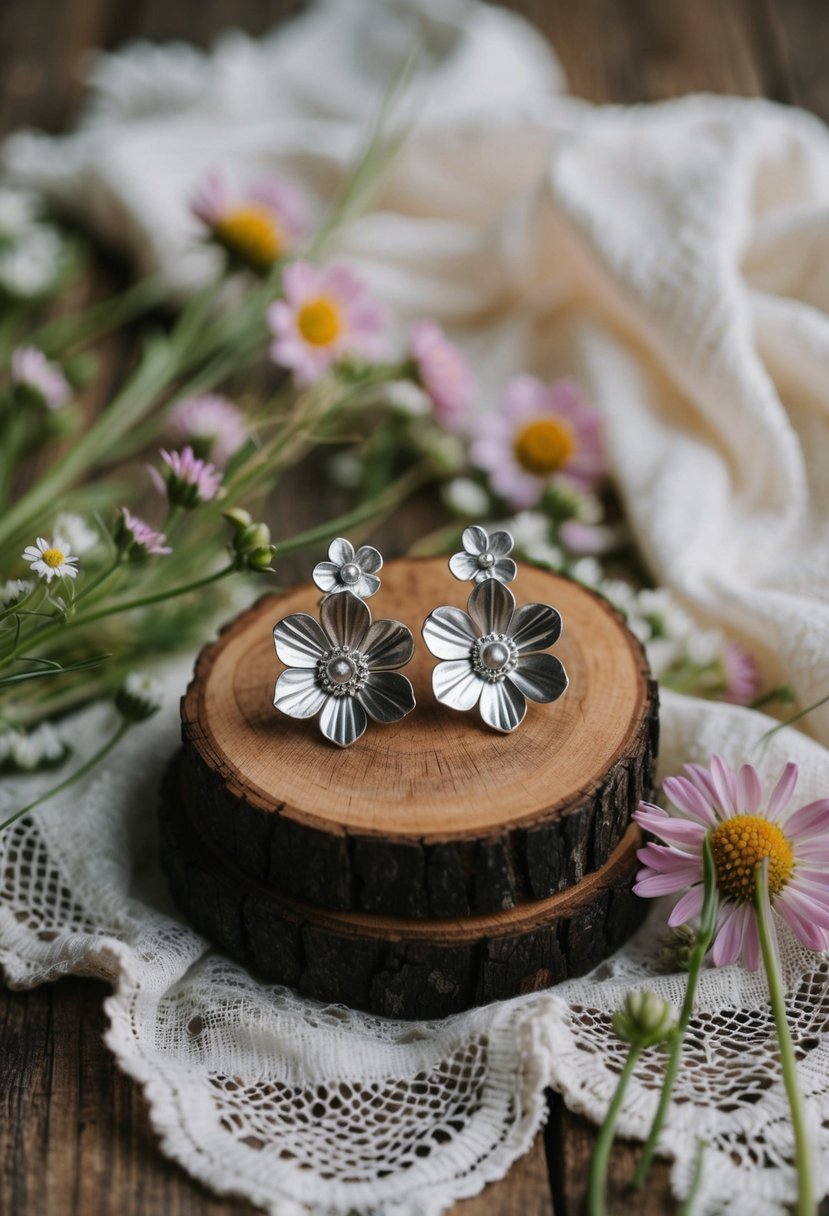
(76,531)
(139,697)
(51,559)
(13,590)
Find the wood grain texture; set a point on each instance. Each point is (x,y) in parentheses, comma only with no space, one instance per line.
(76,1139)
(437,815)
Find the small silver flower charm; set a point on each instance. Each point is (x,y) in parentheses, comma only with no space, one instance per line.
(489,655)
(342,668)
(484,557)
(346,570)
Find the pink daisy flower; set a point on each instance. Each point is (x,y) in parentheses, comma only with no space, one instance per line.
(327,313)
(212,425)
(443,372)
(742,680)
(541,432)
(728,806)
(259,226)
(187,481)
(138,537)
(31,369)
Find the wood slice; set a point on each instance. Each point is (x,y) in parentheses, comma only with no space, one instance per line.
(436,816)
(397,967)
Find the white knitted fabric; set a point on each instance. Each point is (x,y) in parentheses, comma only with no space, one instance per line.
(676,259)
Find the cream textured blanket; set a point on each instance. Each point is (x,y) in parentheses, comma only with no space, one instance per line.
(675,258)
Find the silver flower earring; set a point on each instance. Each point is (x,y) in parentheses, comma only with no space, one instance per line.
(489,654)
(342,667)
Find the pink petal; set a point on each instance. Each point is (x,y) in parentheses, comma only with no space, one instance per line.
(670,829)
(813,850)
(749,790)
(651,886)
(688,907)
(809,819)
(729,939)
(805,904)
(687,797)
(299,281)
(701,778)
(523,398)
(782,793)
(725,783)
(809,934)
(665,859)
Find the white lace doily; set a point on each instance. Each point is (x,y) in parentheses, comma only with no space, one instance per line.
(309,1108)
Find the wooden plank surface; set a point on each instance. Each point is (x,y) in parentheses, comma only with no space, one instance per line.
(76,1138)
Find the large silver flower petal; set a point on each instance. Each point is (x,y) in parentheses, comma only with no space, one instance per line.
(345,619)
(535,627)
(491,606)
(341,551)
(326,576)
(455,684)
(298,694)
(343,720)
(502,705)
(299,641)
(500,543)
(449,633)
(541,677)
(475,540)
(388,644)
(368,559)
(464,566)
(387,696)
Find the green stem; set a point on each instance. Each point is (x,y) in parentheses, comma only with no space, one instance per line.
(72,778)
(708,923)
(690,1199)
(46,635)
(604,1142)
(380,504)
(58,336)
(805,1205)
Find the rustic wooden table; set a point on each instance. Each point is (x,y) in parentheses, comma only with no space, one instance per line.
(76,1138)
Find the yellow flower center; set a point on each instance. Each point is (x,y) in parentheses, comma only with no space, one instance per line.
(320,321)
(738,846)
(544,446)
(54,558)
(252,234)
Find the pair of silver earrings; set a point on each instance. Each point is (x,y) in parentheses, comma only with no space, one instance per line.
(344,667)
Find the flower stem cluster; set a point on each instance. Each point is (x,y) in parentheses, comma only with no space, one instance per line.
(250,543)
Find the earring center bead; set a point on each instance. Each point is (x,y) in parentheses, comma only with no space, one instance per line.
(494,656)
(350,573)
(486,560)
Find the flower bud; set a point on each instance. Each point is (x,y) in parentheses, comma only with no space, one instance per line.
(645,1019)
(238,517)
(251,542)
(261,560)
(138,698)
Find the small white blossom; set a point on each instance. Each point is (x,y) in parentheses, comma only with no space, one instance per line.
(587,570)
(13,590)
(139,697)
(345,469)
(30,267)
(465,497)
(40,747)
(77,532)
(51,559)
(18,209)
